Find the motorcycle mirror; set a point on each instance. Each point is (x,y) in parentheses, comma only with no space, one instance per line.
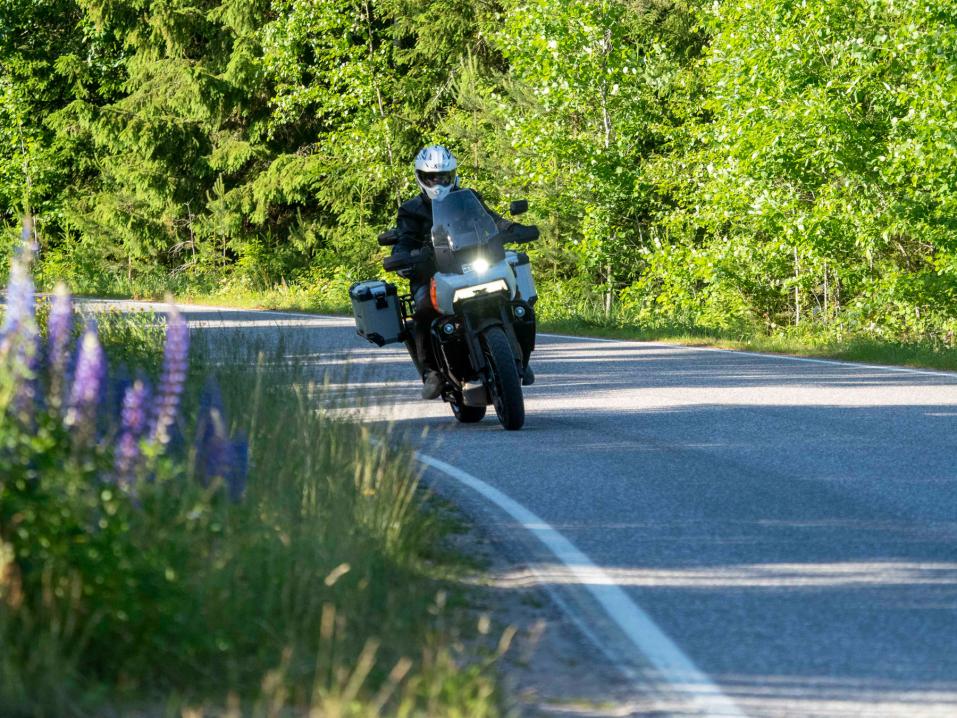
(518,206)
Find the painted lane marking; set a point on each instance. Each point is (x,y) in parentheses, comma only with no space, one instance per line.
(676,668)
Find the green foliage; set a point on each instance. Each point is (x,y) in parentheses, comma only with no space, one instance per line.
(319,589)
(752,163)
(819,171)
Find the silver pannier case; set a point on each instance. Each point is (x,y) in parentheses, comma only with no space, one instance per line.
(525,285)
(375,305)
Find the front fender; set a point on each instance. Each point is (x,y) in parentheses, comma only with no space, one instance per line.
(482,314)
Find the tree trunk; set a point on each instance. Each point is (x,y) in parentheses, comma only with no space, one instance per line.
(825,294)
(609,292)
(382,114)
(797,293)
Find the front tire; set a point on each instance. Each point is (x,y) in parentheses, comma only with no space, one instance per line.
(467,414)
(505,386)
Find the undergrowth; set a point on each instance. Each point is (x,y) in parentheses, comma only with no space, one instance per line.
(316,589)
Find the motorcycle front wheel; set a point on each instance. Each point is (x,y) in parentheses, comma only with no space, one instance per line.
(464,413)
(505,386)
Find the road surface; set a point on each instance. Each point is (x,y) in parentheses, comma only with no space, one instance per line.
(738,534)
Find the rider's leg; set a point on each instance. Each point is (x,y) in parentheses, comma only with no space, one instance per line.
(525,333)
(422,317)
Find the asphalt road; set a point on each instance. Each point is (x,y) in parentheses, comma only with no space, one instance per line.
(740,534)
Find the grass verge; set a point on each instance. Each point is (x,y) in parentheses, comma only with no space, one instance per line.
(319,589)
(805,343)
(808,342)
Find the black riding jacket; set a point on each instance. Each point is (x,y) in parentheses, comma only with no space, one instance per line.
(414,226)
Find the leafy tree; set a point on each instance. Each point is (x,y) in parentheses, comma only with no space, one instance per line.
(587,81)
(805,179)
(718,164)
(51,55)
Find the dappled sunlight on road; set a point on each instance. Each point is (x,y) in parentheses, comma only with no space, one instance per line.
(791,525)
(784,575)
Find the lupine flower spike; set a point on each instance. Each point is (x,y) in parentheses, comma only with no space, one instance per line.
(218,456)
(133,424)
(18,334)
(175,365)
(236,477)
(18,317)
(87,381)
(59,332)
(19,311)
(211,439)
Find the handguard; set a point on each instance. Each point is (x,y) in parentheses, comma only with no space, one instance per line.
(389,238)
(404,261)
(515,233)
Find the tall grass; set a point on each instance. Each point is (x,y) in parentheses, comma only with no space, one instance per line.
(313,586)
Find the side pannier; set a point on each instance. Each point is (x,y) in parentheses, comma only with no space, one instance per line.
(523,275)
(375,305)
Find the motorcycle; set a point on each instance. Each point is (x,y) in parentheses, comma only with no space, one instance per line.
(484,296)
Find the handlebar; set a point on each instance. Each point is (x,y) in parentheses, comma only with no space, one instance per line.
(513,233)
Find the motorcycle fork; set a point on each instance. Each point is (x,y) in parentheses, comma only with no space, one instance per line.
(448,349)
(476,325)
(476,353)
(407,308)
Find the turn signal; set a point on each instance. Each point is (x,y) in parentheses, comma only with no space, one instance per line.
(432,294)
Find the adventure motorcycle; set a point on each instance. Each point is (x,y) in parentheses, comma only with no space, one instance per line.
(484,296)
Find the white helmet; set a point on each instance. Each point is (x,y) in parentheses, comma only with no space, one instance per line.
(435,172)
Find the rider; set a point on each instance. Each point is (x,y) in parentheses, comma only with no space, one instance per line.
(436,176)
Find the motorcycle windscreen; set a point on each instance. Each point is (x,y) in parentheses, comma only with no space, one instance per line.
(460,221)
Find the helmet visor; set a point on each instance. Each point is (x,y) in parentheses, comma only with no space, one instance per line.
(436,179)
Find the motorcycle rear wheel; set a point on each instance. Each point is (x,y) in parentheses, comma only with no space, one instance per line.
(505,386)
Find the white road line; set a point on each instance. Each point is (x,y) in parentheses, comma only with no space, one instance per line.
(676,668)
(785,357)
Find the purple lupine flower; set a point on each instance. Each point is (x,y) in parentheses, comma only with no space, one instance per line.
(87,381)
(59,333)
(18,334)
(20,293)
(213,448)
(133,424)
(217,455)
(175,364)
(18,339)
(238,469)
(20,310)
(212,441)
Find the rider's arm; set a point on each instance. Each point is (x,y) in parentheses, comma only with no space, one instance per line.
(413,226)
(412,230)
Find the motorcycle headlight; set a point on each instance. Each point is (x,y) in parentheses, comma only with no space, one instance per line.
(480,265)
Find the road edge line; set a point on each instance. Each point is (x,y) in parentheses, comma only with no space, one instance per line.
(675,667)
